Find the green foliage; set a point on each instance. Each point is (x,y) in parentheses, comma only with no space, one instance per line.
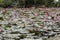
(28,3)
(1,3)
(5,3)
(50,3)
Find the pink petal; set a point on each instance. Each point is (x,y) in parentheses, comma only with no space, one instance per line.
(45,19)
(55,18)
(0,30)
(15,14)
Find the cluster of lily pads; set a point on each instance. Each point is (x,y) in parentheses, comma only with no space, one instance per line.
(29,23)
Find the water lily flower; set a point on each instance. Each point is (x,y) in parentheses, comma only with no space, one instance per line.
(3,11)
(46,19)
(55,18)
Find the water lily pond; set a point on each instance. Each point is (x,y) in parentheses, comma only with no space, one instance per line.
(29,23)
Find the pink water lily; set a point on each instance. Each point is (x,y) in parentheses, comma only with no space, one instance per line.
(15,14)
(3,11)
(0,30)
(58,9)
(52,14)
(27,18)
(58,17)
(45,19)
(55,18)
(35,14)
(48,10)
(41,27)
(46,16)
(22,10)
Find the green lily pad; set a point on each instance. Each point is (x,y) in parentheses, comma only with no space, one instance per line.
(23,36)
(7,26)
(33,17)
(1,18)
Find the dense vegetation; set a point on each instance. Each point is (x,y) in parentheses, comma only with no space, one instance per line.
(28,3)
